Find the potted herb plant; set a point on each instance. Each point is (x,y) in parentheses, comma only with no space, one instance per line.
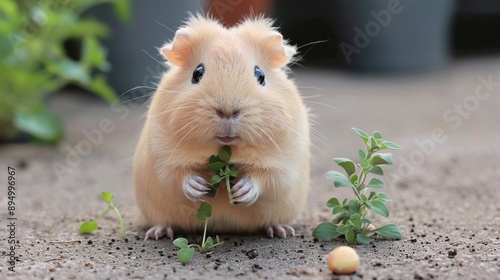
(34,62)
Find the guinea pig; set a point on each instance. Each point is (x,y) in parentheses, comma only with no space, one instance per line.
(224,86)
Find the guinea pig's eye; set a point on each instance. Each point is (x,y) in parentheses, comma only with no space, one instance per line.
(259,74)
(198,73)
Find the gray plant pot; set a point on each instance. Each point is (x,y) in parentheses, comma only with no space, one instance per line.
(391,35)
(132,47)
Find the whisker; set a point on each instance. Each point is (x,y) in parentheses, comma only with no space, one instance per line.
(159,62)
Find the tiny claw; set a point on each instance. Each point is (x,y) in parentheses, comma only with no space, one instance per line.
(280,230)
(158,232)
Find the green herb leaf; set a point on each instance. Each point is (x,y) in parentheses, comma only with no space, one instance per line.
(338,209)
(326,231)
(366,221)
(354,206)
(180,242)
(383,196)
(88,227)
(339,179)
(361,154)
(107,196)
(204,212)
(332,202)
(361,133)
(391,145)
(373,143)
(350,236)
(389,231)
(342,229)
(382,158)
(347,164)
(341,218)
(233,172)
(209,242)
(216,166)
(378,207)
(377,135)
(216,179)
(39,123)
(213,159)
(377,170)
(363,239)
(354,179)
(356,221)
(225,154)
(185,255)
(376,183)
(212,192)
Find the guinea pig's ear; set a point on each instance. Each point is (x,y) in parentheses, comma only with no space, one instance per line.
(178,52)
(269,42)
(278,52)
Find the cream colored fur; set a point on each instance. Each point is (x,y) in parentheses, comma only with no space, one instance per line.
(180,131)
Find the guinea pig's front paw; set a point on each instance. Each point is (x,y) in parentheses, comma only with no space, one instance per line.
(195,187)
(245,191)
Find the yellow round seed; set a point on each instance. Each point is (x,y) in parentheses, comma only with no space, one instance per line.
(343,260)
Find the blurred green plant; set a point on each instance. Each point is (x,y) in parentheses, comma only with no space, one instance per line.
(35,64)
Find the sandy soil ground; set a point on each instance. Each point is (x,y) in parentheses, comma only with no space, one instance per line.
(444,188)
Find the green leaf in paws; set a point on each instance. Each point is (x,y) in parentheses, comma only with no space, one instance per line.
(185,255)
(339,179)
(216,166)
(233,171)
(376,183)
(180,242)
(88,227)
(107,196)
(225,154)
(389,231)
(204,212)
(326,231)
(212,192)
(213,159)
(347,164)
(216,179)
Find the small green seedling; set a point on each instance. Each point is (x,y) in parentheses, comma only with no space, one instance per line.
(350,218)
(90,226)
(186,250)
(224,172)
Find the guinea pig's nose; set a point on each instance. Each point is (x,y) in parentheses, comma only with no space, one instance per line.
(225,115)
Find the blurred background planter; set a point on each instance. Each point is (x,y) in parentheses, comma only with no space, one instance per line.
(34,62)
(393,35)
(136,64)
